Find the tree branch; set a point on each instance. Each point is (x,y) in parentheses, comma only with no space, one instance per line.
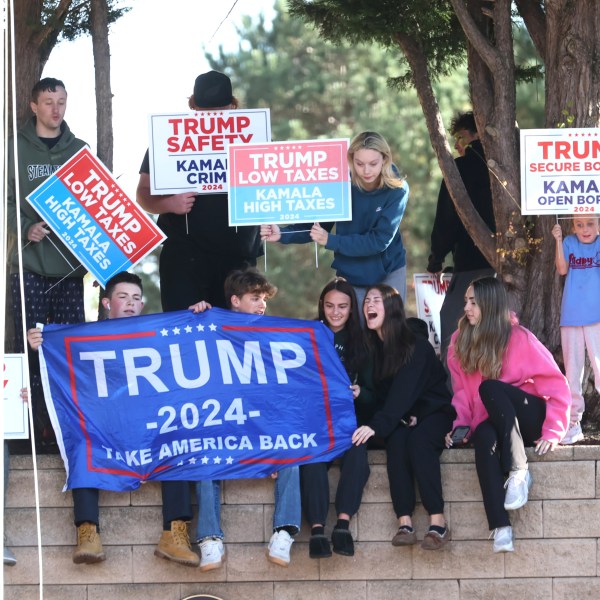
(479,42)
(471,219)
(534,18)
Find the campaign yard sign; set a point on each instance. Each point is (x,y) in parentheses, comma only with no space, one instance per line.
(183,396)
(560,171)
(430,292)
(289,182)
(188,151)
(14,409)
(87,209)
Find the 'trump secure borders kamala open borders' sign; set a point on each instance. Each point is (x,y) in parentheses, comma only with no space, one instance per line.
(560,171)
(105,230)
(289,182)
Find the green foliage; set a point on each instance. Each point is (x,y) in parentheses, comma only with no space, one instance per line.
(77,21)
(431,24)
(316,89)
(319,89)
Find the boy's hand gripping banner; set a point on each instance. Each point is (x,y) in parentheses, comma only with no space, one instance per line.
(179,396)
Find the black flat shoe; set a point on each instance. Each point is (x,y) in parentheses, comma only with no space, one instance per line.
(319,547)
(342,542)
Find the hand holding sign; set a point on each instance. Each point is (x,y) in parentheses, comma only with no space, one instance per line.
(182,204)
(318,234)
(37,232)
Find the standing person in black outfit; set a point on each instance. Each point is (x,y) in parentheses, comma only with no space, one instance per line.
(201,249)
(450,235)
(410,385)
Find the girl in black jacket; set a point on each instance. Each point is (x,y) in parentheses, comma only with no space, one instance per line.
(339,310)
(415,414)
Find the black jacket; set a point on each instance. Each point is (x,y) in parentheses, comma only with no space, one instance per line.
(449,234)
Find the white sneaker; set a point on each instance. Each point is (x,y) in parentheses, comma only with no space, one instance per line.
(280,545)
(212,554)
(517,489)
(503,539)
(574,434)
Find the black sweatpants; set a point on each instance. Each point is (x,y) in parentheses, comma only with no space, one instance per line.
(413,453)
(515,420)
(314,485)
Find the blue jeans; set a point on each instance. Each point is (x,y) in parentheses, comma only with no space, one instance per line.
(287,504)
(208,494)
(287,499)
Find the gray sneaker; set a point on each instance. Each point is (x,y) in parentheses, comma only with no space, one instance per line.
(10,560)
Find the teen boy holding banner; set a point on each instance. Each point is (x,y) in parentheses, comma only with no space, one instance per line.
(123,298)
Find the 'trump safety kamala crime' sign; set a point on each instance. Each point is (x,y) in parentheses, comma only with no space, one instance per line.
(84,205)
(215,395)
(560,171)
(289,182)
(188,151)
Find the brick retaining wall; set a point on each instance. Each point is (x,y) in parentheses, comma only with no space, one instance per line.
(556,541)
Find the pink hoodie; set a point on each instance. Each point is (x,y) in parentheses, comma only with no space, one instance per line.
(528,365)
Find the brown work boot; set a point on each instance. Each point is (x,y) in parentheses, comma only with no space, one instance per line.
(89,547)
(175,545)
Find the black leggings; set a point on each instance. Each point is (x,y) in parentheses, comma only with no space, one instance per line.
(515,420)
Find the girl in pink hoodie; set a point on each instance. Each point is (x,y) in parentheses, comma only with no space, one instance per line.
(510,392)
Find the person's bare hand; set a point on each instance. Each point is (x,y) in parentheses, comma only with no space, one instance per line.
(34,337)
(182,204)
(200,306)
(319,235)
(557,232)
(37,232)
(270,233)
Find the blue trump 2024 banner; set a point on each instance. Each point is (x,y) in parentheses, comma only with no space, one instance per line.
(216,395)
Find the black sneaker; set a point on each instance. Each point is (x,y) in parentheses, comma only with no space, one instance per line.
(342,542)
(319,547)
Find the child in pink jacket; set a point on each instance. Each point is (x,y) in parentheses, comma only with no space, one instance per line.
(510,392)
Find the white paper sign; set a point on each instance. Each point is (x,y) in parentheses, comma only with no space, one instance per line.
(430,294)
(16,421)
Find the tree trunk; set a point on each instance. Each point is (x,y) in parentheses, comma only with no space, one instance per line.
(33,44)
(101,48)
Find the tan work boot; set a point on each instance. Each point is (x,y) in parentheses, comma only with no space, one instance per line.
(89,547)
(175,545)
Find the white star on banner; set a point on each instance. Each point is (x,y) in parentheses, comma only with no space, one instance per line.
(176,330)
(164,332)
(212,327)
(205,460)
(217,460)
(180,463)
(229,460)
(200,327)
(192,461)
(188,329)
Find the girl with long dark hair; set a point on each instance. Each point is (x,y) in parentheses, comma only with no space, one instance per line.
(415,413)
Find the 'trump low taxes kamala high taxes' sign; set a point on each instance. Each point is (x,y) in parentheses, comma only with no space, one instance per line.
(560,171)
(188,151)
(84,205)
(289,182)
